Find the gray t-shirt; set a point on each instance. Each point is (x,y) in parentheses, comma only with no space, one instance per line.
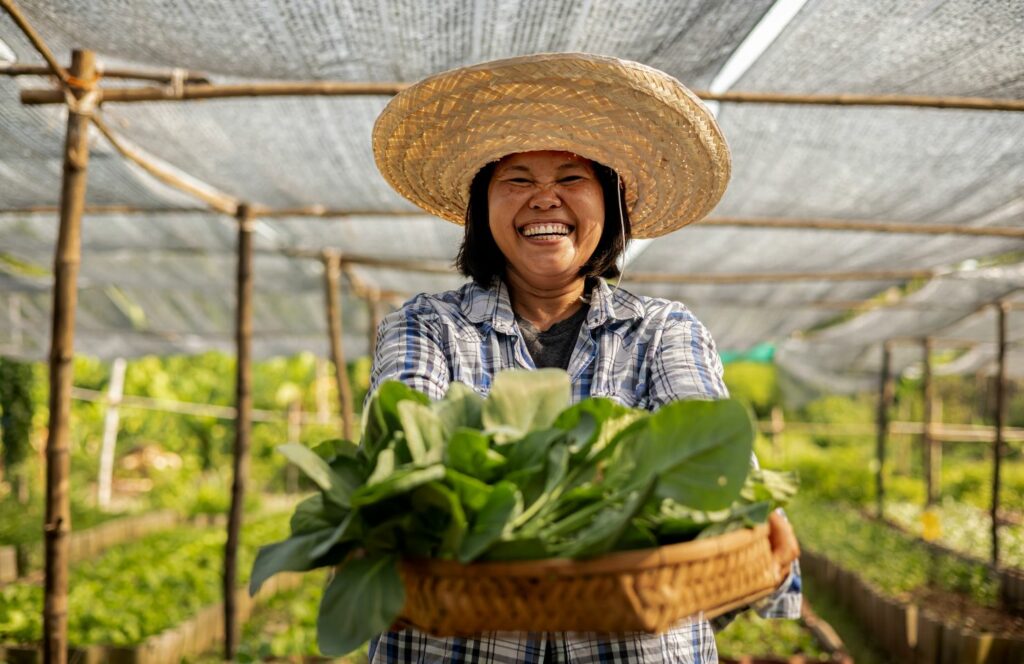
(552,347)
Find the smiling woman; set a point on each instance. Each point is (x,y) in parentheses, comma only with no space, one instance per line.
(553,162)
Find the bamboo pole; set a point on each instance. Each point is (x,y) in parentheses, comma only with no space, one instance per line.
(373,301)
(217,200)
(158,75)
(111,418)
(332,288)
(855,225)
(931,479)
(852,225)
(853,99)
(108,209)
(65,300)
(997,444)
(294,423)
(346,88)
(33,97)
(243,424)
(770,277)
(55,68)
(885,394)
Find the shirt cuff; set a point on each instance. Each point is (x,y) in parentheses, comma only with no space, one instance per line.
(787,599)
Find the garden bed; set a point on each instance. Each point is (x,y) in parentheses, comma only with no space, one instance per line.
(145,601)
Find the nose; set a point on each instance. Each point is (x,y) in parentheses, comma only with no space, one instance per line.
(545,198)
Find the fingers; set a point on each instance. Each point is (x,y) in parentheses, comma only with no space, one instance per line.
(785,548)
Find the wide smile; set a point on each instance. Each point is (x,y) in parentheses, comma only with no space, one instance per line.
(546,230)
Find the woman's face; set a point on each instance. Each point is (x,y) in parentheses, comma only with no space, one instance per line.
(546,212)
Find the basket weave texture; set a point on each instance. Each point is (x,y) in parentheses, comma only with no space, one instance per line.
(632,591)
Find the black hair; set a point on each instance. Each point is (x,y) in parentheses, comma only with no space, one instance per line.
(480,258)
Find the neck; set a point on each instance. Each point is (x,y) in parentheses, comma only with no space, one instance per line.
(544,306)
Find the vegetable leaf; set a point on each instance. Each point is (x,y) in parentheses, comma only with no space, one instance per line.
(469,451)
(424,432)
(502,506)
(374,586)
(699,450)
(336,488)
(524,401)
(294,554)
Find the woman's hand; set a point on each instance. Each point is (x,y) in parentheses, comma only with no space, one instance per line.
(785,548)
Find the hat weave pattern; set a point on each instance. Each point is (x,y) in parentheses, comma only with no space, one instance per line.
(433,137)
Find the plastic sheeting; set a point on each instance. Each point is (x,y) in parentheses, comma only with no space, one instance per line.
(163,282)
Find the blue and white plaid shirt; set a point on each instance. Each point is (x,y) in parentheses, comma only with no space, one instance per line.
(642,352)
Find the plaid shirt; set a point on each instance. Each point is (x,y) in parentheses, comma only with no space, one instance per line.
(642,352)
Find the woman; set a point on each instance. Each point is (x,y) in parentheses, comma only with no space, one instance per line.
(553,162)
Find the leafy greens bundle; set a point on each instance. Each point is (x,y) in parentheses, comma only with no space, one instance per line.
(520,475)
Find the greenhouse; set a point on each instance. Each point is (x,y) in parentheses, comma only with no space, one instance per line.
(197,249)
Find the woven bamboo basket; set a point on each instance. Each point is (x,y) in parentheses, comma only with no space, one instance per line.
(632,591)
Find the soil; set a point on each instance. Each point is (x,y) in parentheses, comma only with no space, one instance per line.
(959,609)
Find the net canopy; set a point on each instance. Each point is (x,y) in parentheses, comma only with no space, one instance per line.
(159,276)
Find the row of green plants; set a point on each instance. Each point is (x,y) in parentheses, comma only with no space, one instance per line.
(137,590)
(895,563)
(963,528)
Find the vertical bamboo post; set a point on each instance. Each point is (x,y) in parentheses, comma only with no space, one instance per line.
(332,286)
(885,392)
(997,445)
(14,311)
(243,421)
(931,479)
(322,416)
(374,303)
(62,338)
(111,418)
(291,473)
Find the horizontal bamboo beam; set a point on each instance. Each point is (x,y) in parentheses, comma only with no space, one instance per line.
(968,433)
(189,407)
(158,75)
(865,226)
(774,277)
(346,88)
(108,209)
(854,99)
(320,211)
(34,97)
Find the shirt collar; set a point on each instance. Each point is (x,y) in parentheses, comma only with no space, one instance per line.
(493,305)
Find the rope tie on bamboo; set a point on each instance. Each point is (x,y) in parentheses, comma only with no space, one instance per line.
(176,84)
(88,102)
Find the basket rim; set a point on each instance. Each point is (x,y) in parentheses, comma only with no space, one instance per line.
(618,561)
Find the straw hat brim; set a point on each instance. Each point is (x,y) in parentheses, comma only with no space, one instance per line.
(433,137)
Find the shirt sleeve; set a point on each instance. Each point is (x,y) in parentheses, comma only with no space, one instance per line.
(687,365)
(409,349)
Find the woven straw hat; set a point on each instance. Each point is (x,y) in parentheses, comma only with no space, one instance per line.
(433,137)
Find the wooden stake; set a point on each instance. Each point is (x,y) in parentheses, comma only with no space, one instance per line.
(111,418)
(931,479)
(885,393)
(997,444)
(62,337)
(373,301)
(332,287)
(243,424)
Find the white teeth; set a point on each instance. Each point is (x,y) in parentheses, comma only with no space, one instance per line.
(546,229)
